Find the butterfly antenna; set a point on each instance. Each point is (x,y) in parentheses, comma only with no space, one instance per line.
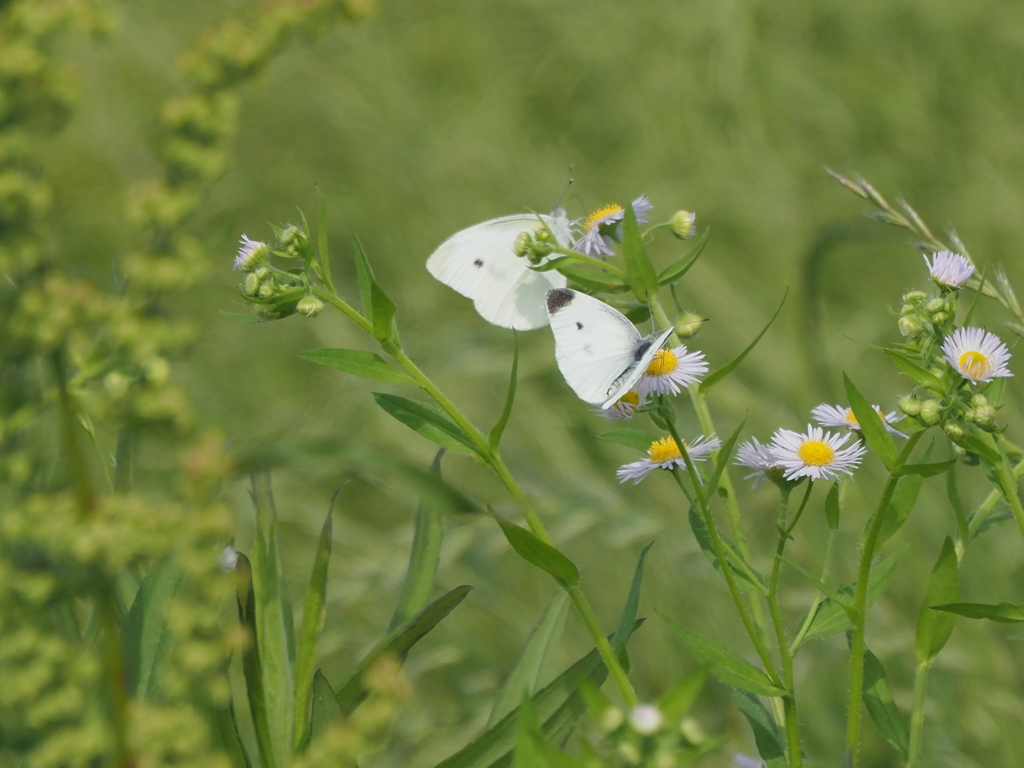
(565,188)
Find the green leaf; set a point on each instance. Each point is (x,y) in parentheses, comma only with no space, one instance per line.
(723,458)
(251,667)
(634,438)
(386,468)
(538,653)
(353,689)
(274,627)
(642,277)
(241,317)
(499,428)
(383,314)
(558,706)
(935,627)
(540,554)
(747,578)
(325,260)
(766,732)
(226,731)
(676,703)
(880,706)
(326,709)
(1004,613)
(871,425)
(928,470)
(365,276)
(681,266)
(832,507)
(727,666)
(729,367)
(830,618)
(314,613)
(919,375)
(423,558)
(146,637)
(365,365)
(527,754)
(982,444)
(423,419)
(904,496)
(628,618)
(593,279)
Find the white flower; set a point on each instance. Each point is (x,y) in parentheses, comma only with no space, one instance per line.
(646,719)
(949,270)
(250,254)
(600,229)
(624,408)
(757,457)
(665,454)
(976,354)
(228,559)
(838,416)
(816,454)
(672,369)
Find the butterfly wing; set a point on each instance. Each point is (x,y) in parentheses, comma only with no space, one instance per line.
(595,346)
(479,262)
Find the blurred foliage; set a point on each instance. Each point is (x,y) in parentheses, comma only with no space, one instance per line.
(424,119)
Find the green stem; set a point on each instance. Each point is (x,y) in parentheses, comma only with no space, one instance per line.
(983,512)
(493,459)
(1009,482)
(114,652)
(860,599)
(917,714)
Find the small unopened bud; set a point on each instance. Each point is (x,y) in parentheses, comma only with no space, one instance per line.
(940,317)
(954,429)
(910,405)
(908,309)
(611,719)
(910,326)
(294,241)
(521,246)
(261,272)
(251,286)
(935,305)
(979,400)
(310,306)
(984,415)
(116,384)
(930,412)
(646,719)
(542,235)
(689,325)
(267,312)
(914,297)
(683,224)
(266,291)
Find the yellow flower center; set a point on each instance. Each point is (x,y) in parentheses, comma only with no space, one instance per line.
(663,450)
(594,219)
(975,365)
(630,398)
(664,362)
(816,453)
(851,419)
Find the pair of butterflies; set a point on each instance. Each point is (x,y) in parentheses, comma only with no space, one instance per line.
(599,351)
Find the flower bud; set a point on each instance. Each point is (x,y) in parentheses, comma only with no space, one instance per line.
(954,429)
(689,325)
(979,400)
(908,309)
(914,297)
(910,326)
(646,719)
(521,246)
(683,224)
(611,719)
(930,412)
(542,235)
(940,317)
(910,405)
(935,305)
(266,291)
(294,241)
(251,286)
(267,312)
(984,415)
(310,306)
(261,272)
(116,384)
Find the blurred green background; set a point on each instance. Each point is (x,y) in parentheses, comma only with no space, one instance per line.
(431,116)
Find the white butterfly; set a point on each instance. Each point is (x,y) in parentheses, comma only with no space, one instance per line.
(480,263)
(599,352)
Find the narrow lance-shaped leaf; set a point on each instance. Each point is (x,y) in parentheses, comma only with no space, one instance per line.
(632,607)
(727,666)
(313,614)
(871,425)
(766,732)
(365,276)
(642,277)
(681,266)
(729,367)
(540,554)
(880,706)
(675,704)
(423,419)
(353,689)
(423,558)
(935,627)
(928,470)
(832,507)
(506,412)
(384,311)
(1004,613)
(722,459)
(919,375)
(325,709)
(251,667)
(537,654)
(365,365)
(900,506)
(146,637)
(748,579)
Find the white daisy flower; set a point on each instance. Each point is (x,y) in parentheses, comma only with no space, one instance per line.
(624,408)
(817,454)
(672,369)
(976,354)
(600,227)
(250,254)
(838,416)
(949,270)
(757,457)
(665,454)
(646,719)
